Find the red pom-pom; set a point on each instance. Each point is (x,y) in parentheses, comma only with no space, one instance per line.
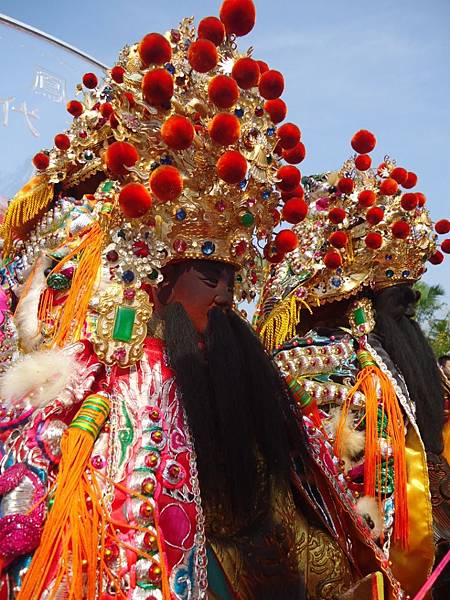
(288,135)
(289,178)
(177,132)
(90,80)
(154,49)
(295,210)
(388,187)
(338,239)
(75,108)
(409,201)
(166,183)
(41,161)
(263,66)
(332,260)
(363,162)
(297,192)
(212,29)
(363,141)
(399,174)
(421,199)
(286,241)
(272,254)
(375,215)
(295,155)
(337,215)
(225,129)
(373,240)
(157,87)
(366,198)
(436,258)
(223,91)
(134,200)
(401,230)
(119,156)
(445,246)
(202,56)
(442,227)
(117,74)
(276,110)
(106,109)
(271,84)
(411,181)
(231,167)
(62,141)
(238,16)
(246,72)
(345,185)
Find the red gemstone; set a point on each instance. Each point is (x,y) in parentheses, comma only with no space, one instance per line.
(157,436)
(151,460)
(220,206)
(259,111)
(146,510)
(111,552)
(174,471)
(240,248)
(140,249)
(83,135)
(154,573)
(120,354)
(179,246)
(155,414)
(151,541)
(129,294)
(112,256)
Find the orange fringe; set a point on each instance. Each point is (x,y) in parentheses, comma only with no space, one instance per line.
(372,382)
(70,537)
(70,321)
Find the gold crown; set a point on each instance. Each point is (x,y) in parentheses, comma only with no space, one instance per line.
(181,138)
(361,231)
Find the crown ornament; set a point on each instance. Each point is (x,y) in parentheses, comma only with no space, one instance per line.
(366,228)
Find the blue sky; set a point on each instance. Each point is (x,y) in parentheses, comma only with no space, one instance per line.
(348,65)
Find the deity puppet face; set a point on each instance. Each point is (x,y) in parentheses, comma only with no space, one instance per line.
(199,285)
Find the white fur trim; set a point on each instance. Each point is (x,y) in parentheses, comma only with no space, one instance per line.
(39,378)
(367,507)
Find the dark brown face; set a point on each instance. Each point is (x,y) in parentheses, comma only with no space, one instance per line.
(198,285)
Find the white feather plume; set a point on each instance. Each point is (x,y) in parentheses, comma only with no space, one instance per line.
(39,378)
(353,439)
(26,315)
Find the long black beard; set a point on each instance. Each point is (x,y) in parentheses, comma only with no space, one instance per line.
(410,351)
(236,405)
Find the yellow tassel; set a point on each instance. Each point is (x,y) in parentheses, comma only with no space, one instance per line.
(27,204)
(69,541)
(378,390)
(282,322)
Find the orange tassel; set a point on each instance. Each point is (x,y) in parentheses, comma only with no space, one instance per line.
(71,319)
(378,390)
(69,541)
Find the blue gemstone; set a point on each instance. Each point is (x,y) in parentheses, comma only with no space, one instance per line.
(339,270)
(270,131)
(128,276)
(180,214)
(265,195)
(389,273)
(239,112)
(405,274)
(388,256)
(243,184)
(336,282)
(121,234)
(169,67)
(208,248)
(166,160)
(154,166)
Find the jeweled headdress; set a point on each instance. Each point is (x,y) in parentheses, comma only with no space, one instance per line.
(365,228)
(176,155)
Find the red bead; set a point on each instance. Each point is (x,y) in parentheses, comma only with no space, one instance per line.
(154,573)
(151,541)
(146,510)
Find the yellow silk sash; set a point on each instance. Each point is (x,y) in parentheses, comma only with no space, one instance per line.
(413,565)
